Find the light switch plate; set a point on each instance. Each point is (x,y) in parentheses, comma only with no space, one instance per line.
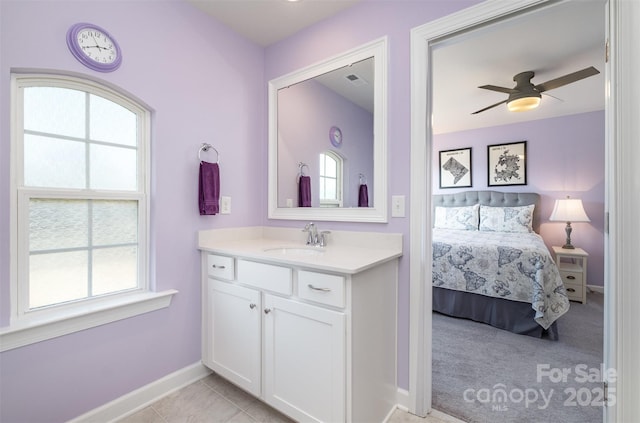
(225,205)
(397,206)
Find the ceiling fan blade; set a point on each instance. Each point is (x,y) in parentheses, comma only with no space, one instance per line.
(553,96)
(490,107)
(567,79)
(499,89)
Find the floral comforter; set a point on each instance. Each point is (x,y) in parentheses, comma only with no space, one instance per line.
(514,266)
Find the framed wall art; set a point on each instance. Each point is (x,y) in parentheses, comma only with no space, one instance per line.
(507,164)
(455,168)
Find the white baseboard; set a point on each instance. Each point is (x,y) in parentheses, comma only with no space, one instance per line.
(403,404)
(140,398)
(596,288)
(402,399)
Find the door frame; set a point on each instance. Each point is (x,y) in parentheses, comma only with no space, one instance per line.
(619,347)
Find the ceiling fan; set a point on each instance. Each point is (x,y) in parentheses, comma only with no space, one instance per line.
(526,96)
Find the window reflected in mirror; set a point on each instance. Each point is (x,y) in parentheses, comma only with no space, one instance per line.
(330,179)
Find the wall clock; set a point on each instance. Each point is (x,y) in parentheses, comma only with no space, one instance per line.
(335,136)
(94,47)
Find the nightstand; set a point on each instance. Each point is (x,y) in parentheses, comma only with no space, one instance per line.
(572,264)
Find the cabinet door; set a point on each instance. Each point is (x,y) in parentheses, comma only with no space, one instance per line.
(233,342)
(304,360)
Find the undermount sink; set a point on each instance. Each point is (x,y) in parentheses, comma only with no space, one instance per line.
(295,251)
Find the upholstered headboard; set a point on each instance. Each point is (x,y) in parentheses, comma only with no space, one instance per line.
(491,198)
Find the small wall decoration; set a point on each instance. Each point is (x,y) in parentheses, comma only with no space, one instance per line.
(94,47)
(335,136)
(455,168)
(507,164)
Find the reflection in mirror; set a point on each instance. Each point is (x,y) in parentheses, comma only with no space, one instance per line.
(327,124)
(327,117)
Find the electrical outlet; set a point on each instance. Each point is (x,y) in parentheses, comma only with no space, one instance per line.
(397,206)
(225,205)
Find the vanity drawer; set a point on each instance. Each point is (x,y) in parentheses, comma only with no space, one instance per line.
(221,267)
(321,288)
(265,276)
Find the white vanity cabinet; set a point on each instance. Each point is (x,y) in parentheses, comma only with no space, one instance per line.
(233,333)
(319,346)
(304,360)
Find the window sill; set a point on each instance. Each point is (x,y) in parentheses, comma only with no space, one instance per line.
(28,332)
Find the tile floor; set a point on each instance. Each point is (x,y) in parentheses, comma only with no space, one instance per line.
(213,399)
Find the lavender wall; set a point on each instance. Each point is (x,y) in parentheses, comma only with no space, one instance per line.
(358,25)
(565,156)
(204,83)
(306,111)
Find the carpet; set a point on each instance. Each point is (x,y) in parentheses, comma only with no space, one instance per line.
(483,374)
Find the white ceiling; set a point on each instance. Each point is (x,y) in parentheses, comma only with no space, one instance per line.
(268,21)
(551,42)
(355,82)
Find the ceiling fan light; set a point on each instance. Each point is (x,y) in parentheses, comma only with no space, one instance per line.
(523,104)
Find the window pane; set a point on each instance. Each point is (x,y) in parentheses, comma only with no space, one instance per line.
(113,168)
(114,269)
(56,278)
(59,111)
(330,168)
(51,162)
(330,189)
(115,222)
(111,122)
(57,224)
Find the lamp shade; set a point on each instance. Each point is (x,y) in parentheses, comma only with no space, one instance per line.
(569,210)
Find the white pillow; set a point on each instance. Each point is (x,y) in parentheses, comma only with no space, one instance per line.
(463,218)
(506,219)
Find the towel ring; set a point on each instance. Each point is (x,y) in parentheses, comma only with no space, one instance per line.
(363,180)
(206,147)
(301,166)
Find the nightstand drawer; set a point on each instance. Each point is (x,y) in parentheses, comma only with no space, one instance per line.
(571,277)
(574,291)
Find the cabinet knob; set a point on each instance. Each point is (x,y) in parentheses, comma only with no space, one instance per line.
(267,310)
(252,306)
(571,290)
(571,277)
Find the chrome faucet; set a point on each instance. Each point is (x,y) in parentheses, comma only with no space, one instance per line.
(312,230)
(313,238)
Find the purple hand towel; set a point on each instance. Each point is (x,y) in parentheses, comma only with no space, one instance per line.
(209,188)
(304,191)
(363,196)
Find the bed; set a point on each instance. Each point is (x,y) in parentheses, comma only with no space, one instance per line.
(490,265)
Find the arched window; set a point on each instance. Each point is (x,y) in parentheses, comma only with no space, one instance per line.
(330,179)
(81,183)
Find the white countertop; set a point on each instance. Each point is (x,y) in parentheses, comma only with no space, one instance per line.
(346,252)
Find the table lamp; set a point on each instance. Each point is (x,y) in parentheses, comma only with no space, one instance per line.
(569,210)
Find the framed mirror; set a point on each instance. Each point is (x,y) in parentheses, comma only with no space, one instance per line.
(328,139)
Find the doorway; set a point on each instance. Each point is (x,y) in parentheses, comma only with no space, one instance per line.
(423,41)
